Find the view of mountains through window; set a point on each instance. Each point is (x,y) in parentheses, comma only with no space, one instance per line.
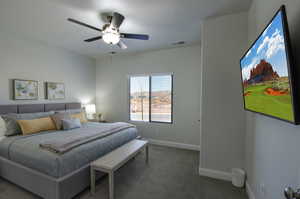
(151,98)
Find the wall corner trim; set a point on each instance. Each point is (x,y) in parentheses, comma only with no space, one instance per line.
(249,191)
(174,144)
(221,175)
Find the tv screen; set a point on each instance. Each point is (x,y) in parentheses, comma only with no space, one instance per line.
(267,76)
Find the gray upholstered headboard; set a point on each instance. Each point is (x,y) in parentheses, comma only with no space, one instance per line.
(34,108)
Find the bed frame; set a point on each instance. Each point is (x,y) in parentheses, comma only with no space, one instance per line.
(36,182)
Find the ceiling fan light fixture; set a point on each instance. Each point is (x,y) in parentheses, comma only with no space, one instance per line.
(111,36)
(110,32)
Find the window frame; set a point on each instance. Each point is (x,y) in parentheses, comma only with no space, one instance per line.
(150,96)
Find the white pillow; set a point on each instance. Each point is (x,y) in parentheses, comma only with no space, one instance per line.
(2,127)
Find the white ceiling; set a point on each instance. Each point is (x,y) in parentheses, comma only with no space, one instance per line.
(166,21)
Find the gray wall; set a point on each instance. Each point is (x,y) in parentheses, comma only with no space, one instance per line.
(27,59)
(112,90)
(272,146)
(223,118)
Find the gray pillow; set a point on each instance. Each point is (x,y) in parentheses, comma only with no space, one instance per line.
(32,116)
(58,117)
(69,124)
(12,126)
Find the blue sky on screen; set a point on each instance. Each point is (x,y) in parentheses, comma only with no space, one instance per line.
(159,83)
(270,46)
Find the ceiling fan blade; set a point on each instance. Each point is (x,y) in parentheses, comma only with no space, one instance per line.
(134,36)
(84,24)
(93,39)
(117,20)
(122,45)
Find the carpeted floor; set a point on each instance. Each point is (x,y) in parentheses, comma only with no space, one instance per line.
(170,174)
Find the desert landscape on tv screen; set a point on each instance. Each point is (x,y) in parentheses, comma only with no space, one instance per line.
(266,86)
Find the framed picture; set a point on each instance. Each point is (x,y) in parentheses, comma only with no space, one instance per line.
(55,90)
(25,89)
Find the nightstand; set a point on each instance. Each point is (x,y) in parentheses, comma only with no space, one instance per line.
(103,121)
(96,120)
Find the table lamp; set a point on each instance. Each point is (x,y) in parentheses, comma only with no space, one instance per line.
(90,110)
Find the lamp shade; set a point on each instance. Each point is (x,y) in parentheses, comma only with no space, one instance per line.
(90,108)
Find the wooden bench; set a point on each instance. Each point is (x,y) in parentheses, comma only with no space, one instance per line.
(114,160)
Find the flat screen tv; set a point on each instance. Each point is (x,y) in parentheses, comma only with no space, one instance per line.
(268,74)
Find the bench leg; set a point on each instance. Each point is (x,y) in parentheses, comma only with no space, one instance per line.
(93,181)
(111,185)
(147,154)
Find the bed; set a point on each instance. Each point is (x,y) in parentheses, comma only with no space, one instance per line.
(50,175)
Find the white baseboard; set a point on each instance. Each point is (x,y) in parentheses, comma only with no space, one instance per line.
(174,144)
(224,176)
(249,191)
(221,175)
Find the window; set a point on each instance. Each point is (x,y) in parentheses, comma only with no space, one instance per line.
(139,98)
(151,98)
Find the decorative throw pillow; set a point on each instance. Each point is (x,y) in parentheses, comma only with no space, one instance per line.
(30,116)
(81,116)
(58,117)
(36,125)
(2,127)
(12,126)
(69,124)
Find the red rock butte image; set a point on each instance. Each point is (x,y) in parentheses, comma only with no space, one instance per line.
(262,72)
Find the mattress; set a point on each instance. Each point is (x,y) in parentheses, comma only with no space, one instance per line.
(26,151)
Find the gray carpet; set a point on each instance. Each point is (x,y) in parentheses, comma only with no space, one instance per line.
(171,174)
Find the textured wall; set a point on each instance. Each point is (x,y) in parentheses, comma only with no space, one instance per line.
(223,118)
(26,59)
(112,90)
(272,146)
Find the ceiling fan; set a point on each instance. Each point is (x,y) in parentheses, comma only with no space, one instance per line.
(110,31)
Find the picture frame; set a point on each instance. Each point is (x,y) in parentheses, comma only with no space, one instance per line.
(55,90)
(25,89)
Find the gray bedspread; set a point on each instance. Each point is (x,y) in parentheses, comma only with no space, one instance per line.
(26,151)
(83,135)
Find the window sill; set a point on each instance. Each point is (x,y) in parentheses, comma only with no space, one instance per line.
(152,122)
